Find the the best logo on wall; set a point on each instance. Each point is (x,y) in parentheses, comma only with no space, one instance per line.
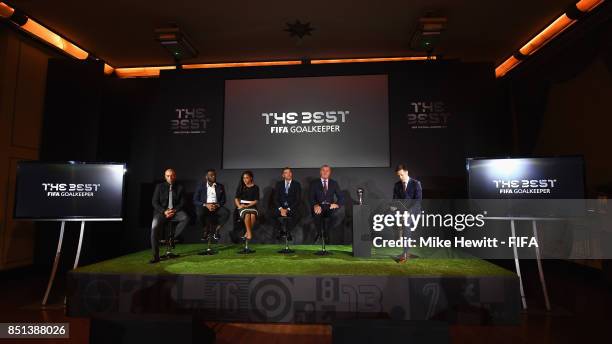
(189,120)
(428,115)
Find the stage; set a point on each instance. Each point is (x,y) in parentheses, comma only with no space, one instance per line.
(296,288)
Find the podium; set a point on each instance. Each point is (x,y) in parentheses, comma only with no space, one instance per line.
(362,238)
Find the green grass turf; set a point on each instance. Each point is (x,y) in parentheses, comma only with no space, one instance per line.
(266,261)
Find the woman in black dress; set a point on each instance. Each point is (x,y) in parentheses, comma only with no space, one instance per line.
(247,196)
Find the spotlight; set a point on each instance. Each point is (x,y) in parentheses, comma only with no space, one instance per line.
(176,43)
(427,34)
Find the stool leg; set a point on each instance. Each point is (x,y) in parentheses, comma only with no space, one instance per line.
(286,250)
(246,249)
(170,243)
(209,236)
(323,251)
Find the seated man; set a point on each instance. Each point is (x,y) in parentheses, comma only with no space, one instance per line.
(209,200)
(325,199)
(167,206)
(407,189)
(287,196)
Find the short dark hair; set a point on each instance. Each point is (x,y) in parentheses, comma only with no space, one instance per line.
(401,167)
(211,170)
(286,168)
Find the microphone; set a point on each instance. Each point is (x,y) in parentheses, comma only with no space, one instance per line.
(360,195)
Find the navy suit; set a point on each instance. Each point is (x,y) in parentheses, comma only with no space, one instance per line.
(219,216)
(160,203)
(199,197)
(290,199)
(413,192)
(318,196)
(287,199)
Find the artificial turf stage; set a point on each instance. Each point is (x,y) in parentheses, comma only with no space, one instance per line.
(266,261)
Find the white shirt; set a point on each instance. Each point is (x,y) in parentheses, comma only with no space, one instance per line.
(211,193)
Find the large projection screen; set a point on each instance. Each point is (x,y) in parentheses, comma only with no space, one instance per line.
(69,191)
(306,122)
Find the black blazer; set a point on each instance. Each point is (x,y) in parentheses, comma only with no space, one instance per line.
(413,190)
(199,197)
(160,197)
(317,196)
(287,200)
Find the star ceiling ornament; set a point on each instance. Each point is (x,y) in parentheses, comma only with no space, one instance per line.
(299,29)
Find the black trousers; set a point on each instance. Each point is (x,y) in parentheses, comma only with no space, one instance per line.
(290,222)
(157,226)
(330,216)
(215,218)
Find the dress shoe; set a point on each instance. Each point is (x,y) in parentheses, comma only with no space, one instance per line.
(154,260)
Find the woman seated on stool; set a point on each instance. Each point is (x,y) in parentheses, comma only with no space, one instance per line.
(247,196)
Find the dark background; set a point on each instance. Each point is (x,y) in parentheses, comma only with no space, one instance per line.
(126,120)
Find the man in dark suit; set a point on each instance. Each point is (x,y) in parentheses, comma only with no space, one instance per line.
(407,189)
(209,200)
(325,199)
(287,196)
(167,206)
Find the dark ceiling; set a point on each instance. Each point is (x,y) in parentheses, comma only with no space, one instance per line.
(121,32)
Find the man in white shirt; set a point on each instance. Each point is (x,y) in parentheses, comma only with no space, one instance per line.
(209,200)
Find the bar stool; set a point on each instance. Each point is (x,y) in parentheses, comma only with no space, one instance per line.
(324,224)
(283,221)
(209,236)
(246,249)
(169,242)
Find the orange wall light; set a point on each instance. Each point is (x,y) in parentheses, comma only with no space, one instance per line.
(587,5)
(506,66)
(5,10)
(54,39)
(141,72)
(550,32)
(375,59)
(108,69)
(241,64)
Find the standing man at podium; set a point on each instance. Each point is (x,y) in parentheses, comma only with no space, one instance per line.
(407,189)
(287,196)
(325,200)
(167,206)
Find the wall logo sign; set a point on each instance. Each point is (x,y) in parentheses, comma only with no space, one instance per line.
(428,115)
(525,186)
(189,120)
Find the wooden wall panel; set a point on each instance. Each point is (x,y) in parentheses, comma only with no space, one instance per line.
(23,71)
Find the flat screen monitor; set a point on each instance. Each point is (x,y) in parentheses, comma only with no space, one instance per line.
(69,191)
